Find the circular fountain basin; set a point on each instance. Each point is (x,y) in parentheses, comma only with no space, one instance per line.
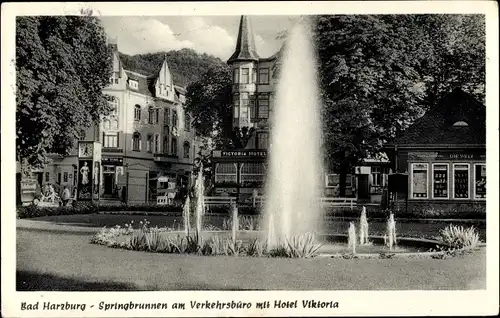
(335,245)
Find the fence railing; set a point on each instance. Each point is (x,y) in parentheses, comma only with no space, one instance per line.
(258,200)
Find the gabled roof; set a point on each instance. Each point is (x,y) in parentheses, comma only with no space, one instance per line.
(245,44)
(436,127)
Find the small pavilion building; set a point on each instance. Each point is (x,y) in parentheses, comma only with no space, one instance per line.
(443,155)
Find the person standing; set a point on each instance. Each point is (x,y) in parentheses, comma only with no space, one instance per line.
(65,196)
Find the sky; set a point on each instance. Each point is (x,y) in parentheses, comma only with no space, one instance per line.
(214,35)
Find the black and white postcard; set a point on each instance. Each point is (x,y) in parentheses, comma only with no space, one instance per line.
(250,159)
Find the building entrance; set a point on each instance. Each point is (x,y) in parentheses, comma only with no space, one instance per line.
(108,175)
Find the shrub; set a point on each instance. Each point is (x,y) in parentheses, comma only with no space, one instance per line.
(459,237)
(245,222)
(299,246)
(33,211)
(218,245)
(255,248)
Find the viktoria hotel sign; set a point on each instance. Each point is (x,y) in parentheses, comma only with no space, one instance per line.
(239,153)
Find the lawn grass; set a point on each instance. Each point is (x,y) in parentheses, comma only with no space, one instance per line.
(62,261)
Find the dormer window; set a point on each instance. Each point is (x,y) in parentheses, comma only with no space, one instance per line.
(460,124)
(133,84)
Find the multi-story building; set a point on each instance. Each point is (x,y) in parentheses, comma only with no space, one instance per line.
(241,171)
(147,140)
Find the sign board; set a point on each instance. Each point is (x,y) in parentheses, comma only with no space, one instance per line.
(239,153)
(112,161)
(448,155)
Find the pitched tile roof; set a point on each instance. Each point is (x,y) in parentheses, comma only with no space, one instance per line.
(143,82)
(436,127)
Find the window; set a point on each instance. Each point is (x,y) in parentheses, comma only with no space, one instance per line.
(419,180)
(137,113)
(376,176)
(236,105)
(173,147)
(480,181)
(157,143)
(47,176)
(332,180)
(236,75)
(245,75)
(254,76)
(460,124)
(263,76)
(136,142)
(151,115)
(252,174)
(165,143)
(244,105)
(106,124)
(115,78)
(174,118)
(461,181)
(187,122)
(133,84)
(110,140)
(252,107)
(157,115)
(263,107)
(440,181)
(113,104)
(262,140)
(65,177)
(225,173)
(166,117)
(149,143)
(187,148)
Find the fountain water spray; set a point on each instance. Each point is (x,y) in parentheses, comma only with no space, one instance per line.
(200,203)
(351,241)
(391,231)
(185,215)
(234,225)
(363,228)
(293,184)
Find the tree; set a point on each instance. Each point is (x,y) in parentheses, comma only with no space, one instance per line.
(62,65)
(209,102)
(379,73)
(368,87)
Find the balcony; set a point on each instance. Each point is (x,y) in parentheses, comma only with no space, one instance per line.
(165,157)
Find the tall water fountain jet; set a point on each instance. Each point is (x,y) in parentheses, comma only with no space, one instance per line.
(200,203)
(293,186)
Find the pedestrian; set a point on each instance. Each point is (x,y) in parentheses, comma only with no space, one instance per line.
(124,194)
(66,195)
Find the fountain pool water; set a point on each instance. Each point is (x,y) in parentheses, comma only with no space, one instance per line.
(295,161)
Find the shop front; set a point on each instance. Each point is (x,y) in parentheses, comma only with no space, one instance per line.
(112,171)
(238,173)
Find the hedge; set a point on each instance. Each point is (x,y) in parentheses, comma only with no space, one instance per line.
(33,211)
(372,212)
